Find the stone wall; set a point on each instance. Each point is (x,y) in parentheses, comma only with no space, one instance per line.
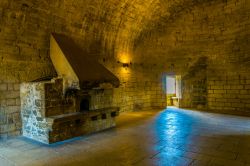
(142,87)
(229,91)
(33,106)
(194,86)
(10,123)
(217,30)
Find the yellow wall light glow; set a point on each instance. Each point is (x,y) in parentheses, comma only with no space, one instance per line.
(124,58)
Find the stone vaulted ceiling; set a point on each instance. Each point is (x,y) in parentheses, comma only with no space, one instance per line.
(138,31)
(169,31)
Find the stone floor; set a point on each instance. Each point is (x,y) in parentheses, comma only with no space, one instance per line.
(170,137)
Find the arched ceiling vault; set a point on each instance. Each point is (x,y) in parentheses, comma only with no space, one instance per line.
(190,29)
(119,23)
(160,30)
(140,31)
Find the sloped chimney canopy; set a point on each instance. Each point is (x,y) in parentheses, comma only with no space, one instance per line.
(72,63)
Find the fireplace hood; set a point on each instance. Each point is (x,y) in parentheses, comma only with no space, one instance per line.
(77,68)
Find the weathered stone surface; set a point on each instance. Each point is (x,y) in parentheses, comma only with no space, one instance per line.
(49,116)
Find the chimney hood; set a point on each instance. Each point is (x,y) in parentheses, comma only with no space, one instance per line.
(77,68)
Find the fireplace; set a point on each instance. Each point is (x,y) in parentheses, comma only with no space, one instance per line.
(72,104)
(84,102)
(84,105)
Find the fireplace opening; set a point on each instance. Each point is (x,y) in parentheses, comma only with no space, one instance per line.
(84,105)
(78,121)
(113,114)
(104,116)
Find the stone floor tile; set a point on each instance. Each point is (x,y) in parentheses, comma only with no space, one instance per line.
(224,162)
(169,137)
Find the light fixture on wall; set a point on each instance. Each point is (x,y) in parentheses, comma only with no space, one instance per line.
(125,65)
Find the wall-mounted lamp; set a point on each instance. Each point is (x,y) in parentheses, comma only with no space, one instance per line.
(125,65)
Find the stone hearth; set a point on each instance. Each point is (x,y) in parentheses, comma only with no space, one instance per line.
(49,117)
(74,103)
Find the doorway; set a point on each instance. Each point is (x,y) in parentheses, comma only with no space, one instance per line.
(173,90)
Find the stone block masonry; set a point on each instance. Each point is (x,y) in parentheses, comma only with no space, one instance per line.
(10,123)
(230,92)
(48,116)
(194,86)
